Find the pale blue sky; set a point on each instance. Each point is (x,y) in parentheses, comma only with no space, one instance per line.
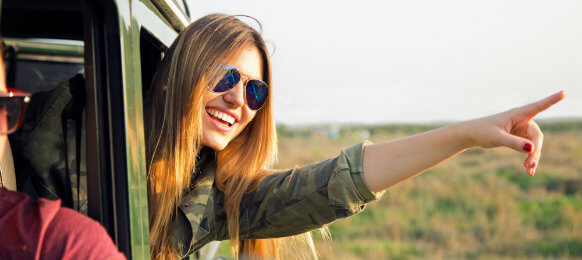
(416,61)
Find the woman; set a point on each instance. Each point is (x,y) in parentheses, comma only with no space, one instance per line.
(211,140)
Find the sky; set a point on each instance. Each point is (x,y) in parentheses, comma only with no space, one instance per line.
(377,62)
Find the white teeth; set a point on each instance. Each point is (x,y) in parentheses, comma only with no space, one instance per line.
(223,116)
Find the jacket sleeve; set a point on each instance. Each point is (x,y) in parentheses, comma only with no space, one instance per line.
(306,198)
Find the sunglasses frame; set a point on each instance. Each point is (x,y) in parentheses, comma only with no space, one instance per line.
(23,98)
(241,74)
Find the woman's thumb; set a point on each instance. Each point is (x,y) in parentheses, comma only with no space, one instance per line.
(517,143)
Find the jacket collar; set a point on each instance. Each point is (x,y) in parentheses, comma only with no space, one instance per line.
(198,204)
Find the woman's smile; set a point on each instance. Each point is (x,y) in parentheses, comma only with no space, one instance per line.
(222,119)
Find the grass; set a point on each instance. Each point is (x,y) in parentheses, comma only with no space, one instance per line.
(480,205)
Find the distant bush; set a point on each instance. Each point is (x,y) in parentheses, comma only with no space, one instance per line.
(555,248)
(347,130)
(548,214)
(561,126)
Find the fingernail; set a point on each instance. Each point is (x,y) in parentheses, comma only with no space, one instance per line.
(533,165)
(533,171)
(527,147)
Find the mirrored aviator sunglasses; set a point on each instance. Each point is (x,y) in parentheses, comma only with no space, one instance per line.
(12,108)
(256,91)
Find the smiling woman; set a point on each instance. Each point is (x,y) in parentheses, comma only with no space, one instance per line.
(211,143)
(184,115)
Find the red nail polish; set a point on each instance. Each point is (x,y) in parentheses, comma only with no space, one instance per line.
(533,164)
(527,147)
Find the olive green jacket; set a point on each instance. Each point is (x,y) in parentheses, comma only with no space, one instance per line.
(284,204)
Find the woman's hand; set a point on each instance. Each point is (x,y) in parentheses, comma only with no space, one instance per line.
(514,129)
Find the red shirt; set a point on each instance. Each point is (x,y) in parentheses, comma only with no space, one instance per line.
(41,229)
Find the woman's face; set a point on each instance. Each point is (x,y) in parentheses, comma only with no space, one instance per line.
(231,105)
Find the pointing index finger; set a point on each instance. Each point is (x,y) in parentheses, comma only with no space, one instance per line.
(533,109)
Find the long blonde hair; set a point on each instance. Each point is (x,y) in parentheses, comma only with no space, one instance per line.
(174,108)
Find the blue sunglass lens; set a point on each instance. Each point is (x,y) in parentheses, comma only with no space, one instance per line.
(228,81)
(257,93)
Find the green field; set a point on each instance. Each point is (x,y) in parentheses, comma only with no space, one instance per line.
(479,205)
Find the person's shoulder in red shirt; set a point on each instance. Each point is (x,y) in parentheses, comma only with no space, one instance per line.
(42,229)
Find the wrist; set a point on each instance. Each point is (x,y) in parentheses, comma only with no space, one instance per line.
(463,132)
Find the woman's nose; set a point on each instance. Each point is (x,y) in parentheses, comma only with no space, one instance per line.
(235,96)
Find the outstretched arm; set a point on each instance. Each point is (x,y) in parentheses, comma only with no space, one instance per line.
(388,163)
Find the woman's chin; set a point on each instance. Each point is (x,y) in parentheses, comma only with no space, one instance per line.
(218,148)
(216,145)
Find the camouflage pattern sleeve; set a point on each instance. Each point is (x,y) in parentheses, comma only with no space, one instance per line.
(306,198)
(284,204)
